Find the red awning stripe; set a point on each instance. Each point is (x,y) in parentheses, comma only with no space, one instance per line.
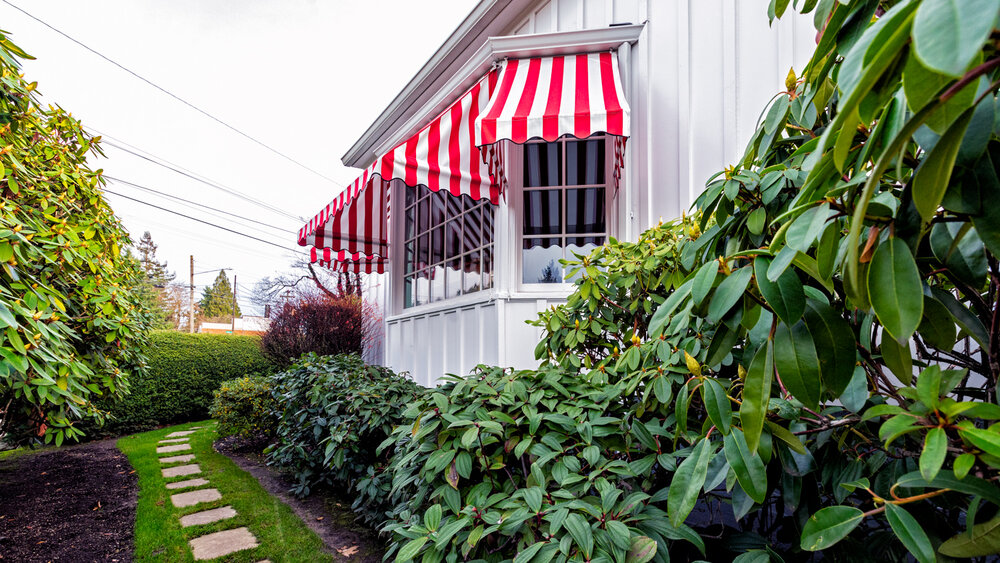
(550,97)
(344,262)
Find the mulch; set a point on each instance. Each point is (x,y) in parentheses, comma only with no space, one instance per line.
(74,504)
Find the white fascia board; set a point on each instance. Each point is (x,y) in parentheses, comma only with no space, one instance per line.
(494,49)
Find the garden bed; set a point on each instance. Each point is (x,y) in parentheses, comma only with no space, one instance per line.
(75,503)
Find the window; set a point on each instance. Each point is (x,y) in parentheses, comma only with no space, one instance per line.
(448,246)
(564,190)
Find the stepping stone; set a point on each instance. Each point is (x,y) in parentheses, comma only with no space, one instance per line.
(180,433)
(177,458)
(207,516)
(178,470)
(188,483)
(174,440)
(222,543)
(195,427)
(192,498)
(174,448)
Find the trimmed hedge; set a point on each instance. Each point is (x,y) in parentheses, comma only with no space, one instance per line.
(183,372)
(245,408)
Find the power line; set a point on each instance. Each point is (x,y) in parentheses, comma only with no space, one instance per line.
(171,196)
(204,222)
(159,161)
(175,96)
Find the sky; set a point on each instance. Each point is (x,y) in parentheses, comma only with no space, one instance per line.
(304,77)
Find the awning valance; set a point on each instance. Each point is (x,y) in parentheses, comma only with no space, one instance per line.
(521,99)
(344,262)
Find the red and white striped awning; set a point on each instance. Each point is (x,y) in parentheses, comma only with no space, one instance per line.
(549,97)
(522,99)
(344,262)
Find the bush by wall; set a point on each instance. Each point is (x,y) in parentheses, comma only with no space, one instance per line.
(335,413)
(245,407)
(183,372)
(315,323)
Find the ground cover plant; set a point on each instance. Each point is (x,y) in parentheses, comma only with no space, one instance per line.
(158,534)
(182,374)
(71,328)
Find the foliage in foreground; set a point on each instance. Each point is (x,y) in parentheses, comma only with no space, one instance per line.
(244,407)
(183,372)
(334,411)
(71,329)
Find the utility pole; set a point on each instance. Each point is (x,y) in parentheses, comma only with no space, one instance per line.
(191,304)
(234,304)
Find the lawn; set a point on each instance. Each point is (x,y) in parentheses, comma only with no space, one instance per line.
(158,534)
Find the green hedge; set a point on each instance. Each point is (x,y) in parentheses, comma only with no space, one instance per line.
(183,372)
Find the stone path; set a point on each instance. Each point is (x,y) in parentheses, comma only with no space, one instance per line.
(206,546)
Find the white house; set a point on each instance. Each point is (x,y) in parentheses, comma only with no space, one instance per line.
(541,128)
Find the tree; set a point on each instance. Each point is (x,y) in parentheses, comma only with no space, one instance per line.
(218,301)
(155,289)
(71,325)
(820,357)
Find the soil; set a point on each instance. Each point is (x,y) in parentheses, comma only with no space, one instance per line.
(74,504)
(326,514)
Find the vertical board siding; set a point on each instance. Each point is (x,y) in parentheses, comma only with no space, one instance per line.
(573,15)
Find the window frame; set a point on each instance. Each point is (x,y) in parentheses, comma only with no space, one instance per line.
(515,175)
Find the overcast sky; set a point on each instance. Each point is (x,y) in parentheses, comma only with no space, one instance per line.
(305,77)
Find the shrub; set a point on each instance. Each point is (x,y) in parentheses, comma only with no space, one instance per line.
(548,464)
(335,413)
(183,372)
(315,323)
(245,407)
(71,327)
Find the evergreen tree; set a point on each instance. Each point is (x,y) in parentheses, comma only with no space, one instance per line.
(154,290)
(217,301)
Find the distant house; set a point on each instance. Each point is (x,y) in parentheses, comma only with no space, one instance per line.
(243,325)
(540,129)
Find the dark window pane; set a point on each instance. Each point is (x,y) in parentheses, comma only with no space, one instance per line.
(411,217)
(408,291)
(411,195)
(488,234)
(453,205)
(585,210)
(473,229)
(473,277)
(487,267)
(423,251)
(467,202)
(437,245)
(542,212)
(437,208)
(423,220)
(540,260)
(585,162)
(453,275)
(410,256)
(542,165)
(453,238)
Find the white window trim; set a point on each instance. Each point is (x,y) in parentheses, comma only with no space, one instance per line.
(514,166)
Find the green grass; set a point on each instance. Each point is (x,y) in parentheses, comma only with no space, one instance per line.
(158,534)
(7,455)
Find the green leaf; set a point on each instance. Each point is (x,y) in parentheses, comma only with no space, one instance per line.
(411,549)
(969,485)
(963,464)
(720,412)
(580,530)
(910,533)
(533,498)
(856,394)
(959,248)
(729,292)
(756,220)
(934,173)
(432,518)
(786,436)
(838,353)
(703,281)
(984,540)
(756,394)
(526,555)
(922,85)
(749,468)
(895,289)
(806,228)
(828,526)
(937,326)
(897,358)
(687,481)
(932,456)
(784,296)
(643,549)
(949,34)
(470,436)
(985,440)
(797,363)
